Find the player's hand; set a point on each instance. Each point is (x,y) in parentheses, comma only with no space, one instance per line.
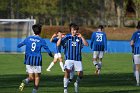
(54,35)
(50,54)
(63,35)
(78,34)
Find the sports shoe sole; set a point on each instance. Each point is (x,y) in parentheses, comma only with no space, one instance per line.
(21,87)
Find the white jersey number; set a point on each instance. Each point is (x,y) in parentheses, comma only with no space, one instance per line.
(99,38)
(33,46)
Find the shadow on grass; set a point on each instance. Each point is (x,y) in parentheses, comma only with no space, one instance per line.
(95,84)
(117,79)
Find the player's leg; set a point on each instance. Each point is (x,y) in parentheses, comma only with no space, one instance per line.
(68,65)
(36,82)
(134,66)
(95,57)
(95,61)
(71,74)
(137,74)
(28,79)
(101,54)
(66,80)
(79,68)
(52,63)
(134,69)
(61,62)
(78,79)
(137,62)
(37,73)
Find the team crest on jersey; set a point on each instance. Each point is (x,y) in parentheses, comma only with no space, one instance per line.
(77,40)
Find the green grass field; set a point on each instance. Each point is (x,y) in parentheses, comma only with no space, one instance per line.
(116,75)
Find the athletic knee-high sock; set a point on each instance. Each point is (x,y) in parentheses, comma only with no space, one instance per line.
(95,64)
(100,64)
(26,81)
(71,75)
(78,79)
(61,65)
(137,76)
(66,81)
(51,65)
(134,70)
(34,90)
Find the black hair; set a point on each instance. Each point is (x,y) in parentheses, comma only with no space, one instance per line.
(58,32)
(73,25)
(37,29)
(101,27)
(138,25)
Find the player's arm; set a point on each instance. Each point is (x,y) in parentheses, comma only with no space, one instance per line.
(53,36)
(105,42)
(59,40)
(132,41)
(132,45)
(92,39)
(62,38)
(21,44)
(83,39)
(47,49)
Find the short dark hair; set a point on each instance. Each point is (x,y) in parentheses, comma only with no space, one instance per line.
(73,25)
(37,29)
(138,25)
(58,31)
(101,27)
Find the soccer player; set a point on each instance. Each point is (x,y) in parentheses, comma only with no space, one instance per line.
(99,46)
(135,41)
(72,44)
(57,52)
(33,57)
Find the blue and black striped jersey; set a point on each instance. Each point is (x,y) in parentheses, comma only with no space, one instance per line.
(33,50)
(136,38)
(72,47)
(98,41)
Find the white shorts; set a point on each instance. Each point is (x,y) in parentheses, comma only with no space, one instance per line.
(137,59)
(57,55)
(33,69)
(98,54)
(69,64)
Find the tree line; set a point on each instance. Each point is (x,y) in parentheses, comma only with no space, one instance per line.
(83,12)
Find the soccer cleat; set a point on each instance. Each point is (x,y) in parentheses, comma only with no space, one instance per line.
(65,91)
(70,80)
(48,70)
(76,87)
(34,91)
(21,87)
